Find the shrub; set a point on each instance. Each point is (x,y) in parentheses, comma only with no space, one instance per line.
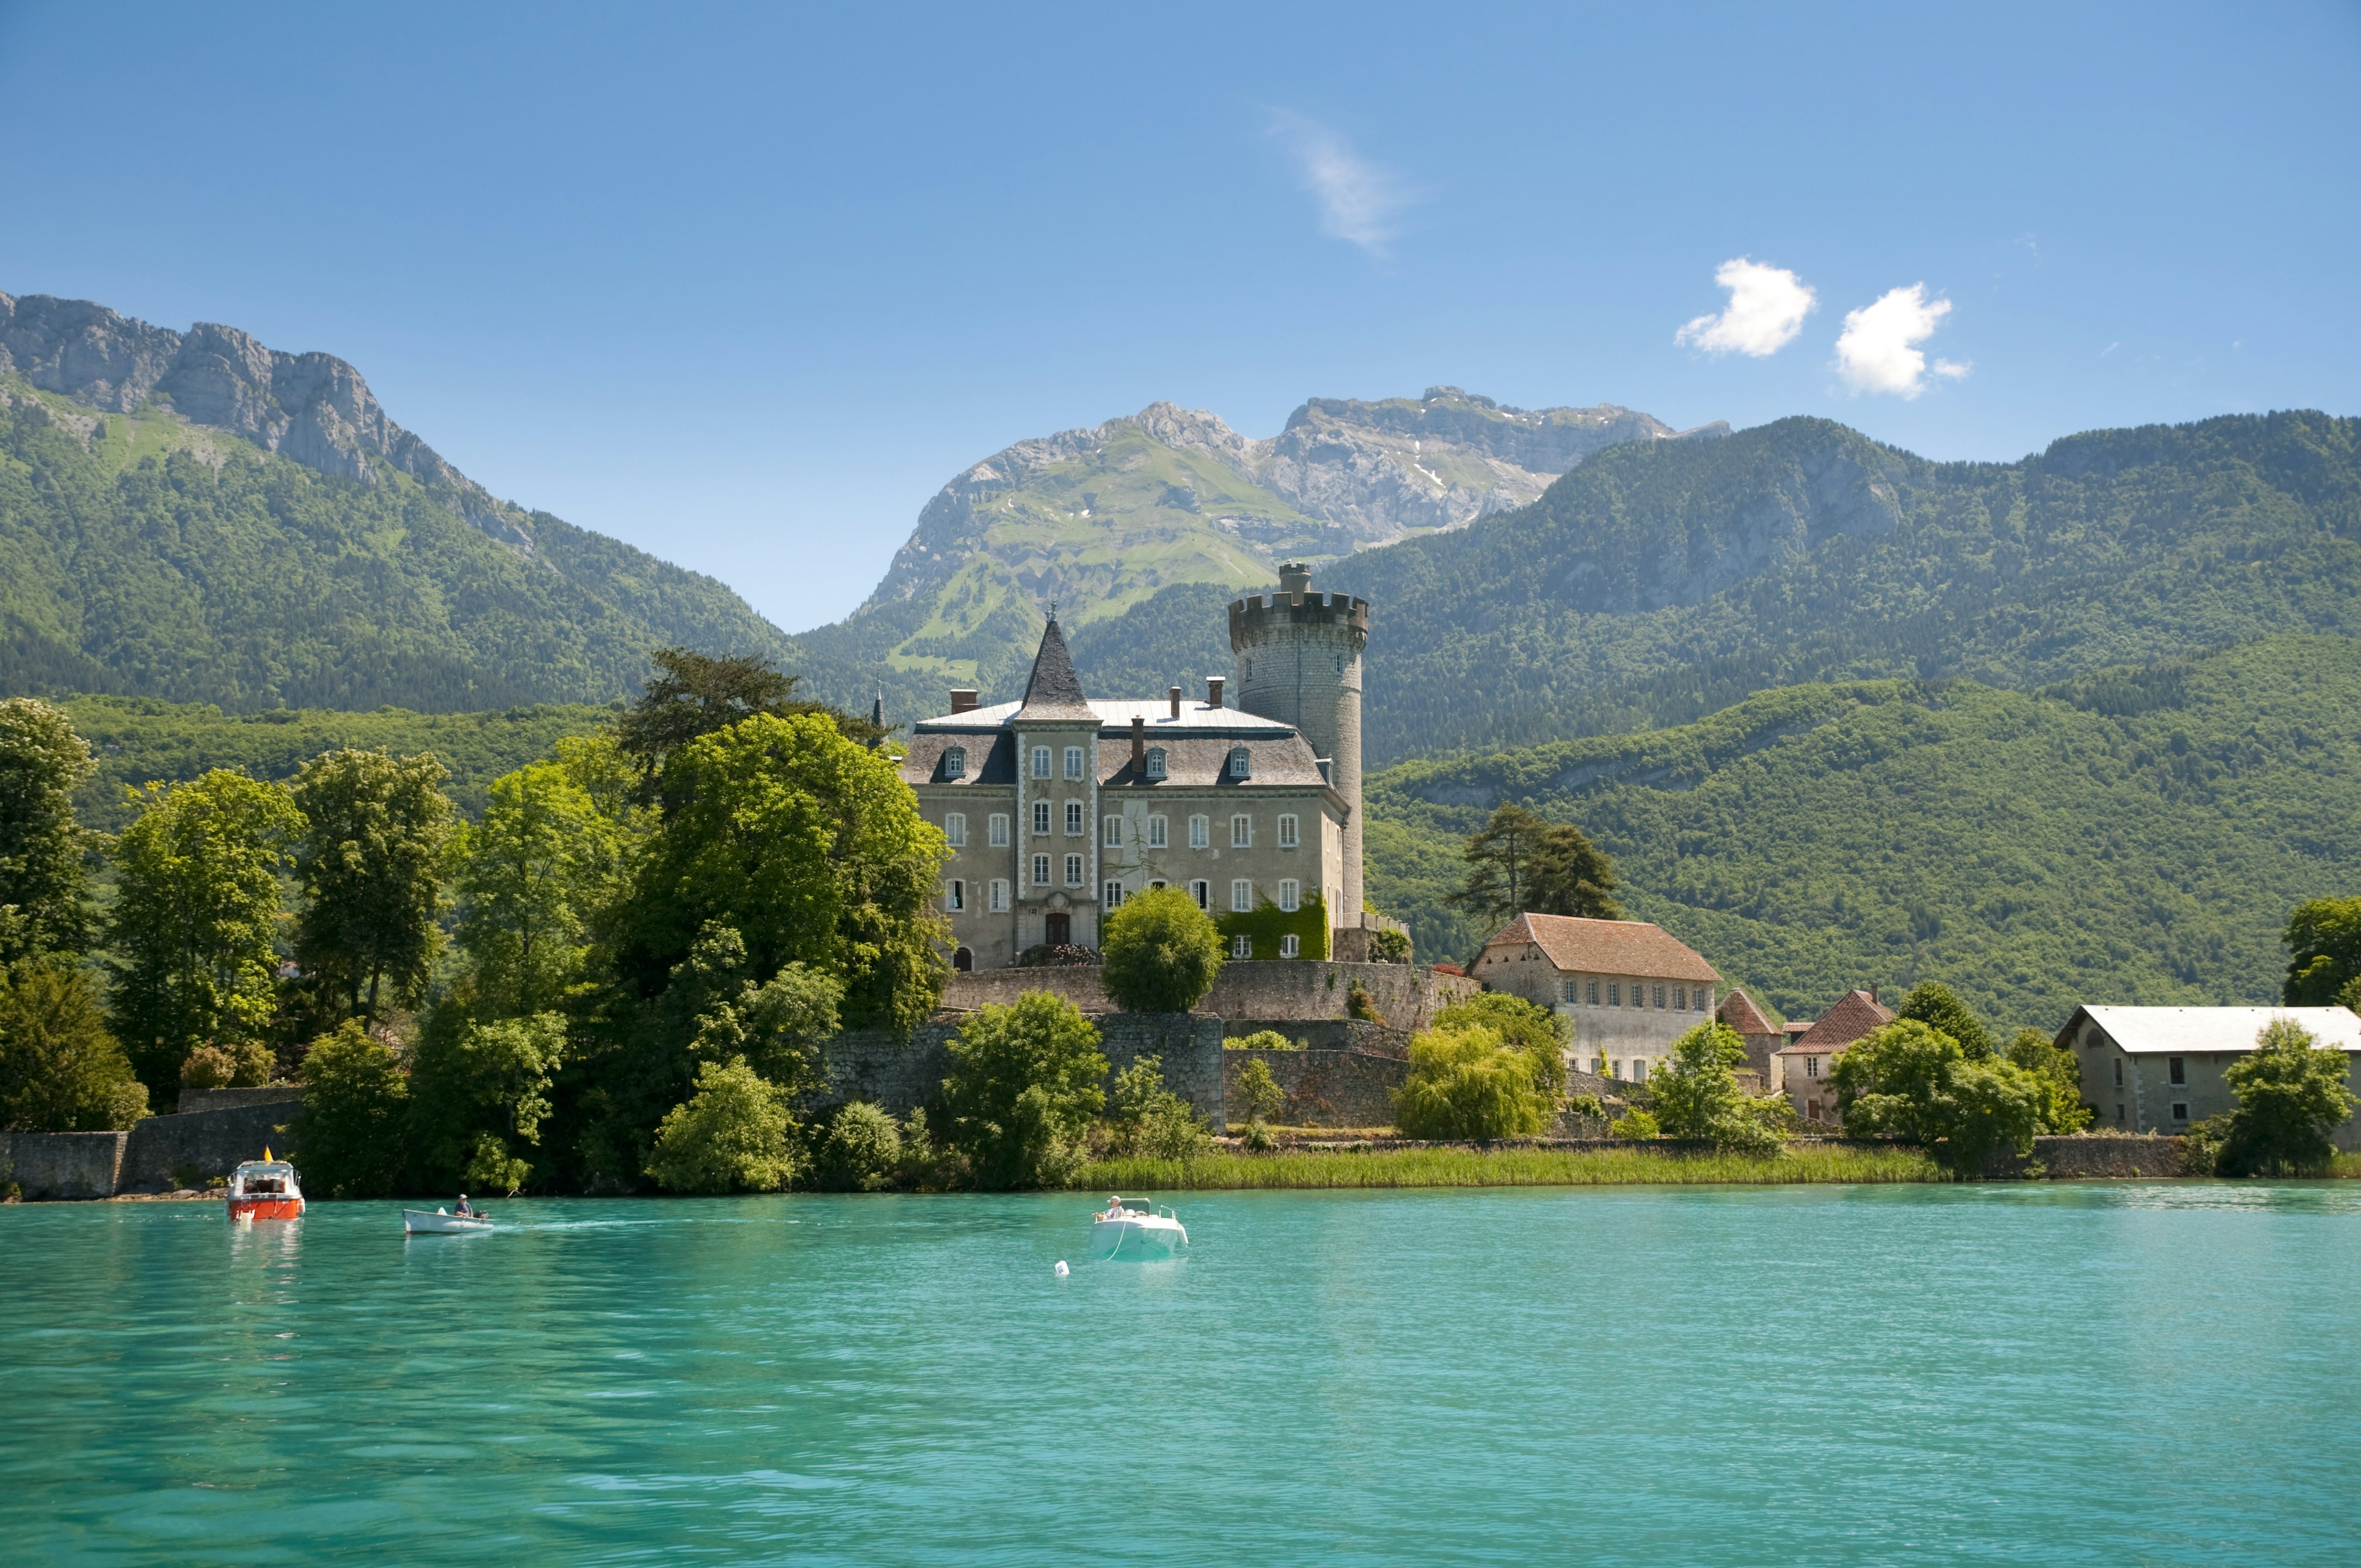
(1257,1138)
(1910,1081)
(1024,1085)
(1469,1083)
(863,1148)
(1151,1121)
(731,1135)
(1359,1004)
(1163,952)
(60,1069)
(1262,1040)
(1635,1123)
(1056,955)
(1532,1028)
(478,1096)
(1388,947)
(2292,1096)
(1695,1093)
(1588,1106)
(350,1130)
(1257,1093)
(1935,1005)
(208,1066)
(2057,1076)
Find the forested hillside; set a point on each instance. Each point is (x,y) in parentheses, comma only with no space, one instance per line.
(1663,580)
(2135,837)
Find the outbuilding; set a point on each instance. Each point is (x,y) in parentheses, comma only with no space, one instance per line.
(1629,988)
(2159,1070)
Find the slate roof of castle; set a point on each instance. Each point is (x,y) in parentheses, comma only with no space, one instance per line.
(1276,755)
(1608,946)
(1055,691)
(1737,1011)
(1855,1014)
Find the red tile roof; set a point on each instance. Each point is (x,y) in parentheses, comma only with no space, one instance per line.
(1855,1014)
(1607,946)
(1737,1011)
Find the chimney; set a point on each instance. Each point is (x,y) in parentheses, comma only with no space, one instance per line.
(1214,690)
(962,699)
(1139,744)
(1293,579)
(1176,702)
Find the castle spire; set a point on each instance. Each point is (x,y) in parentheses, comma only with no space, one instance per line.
(1055,691)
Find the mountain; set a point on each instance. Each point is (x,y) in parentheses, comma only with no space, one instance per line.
(1661,580)
(2135,836)
(1097,520)
(196,517)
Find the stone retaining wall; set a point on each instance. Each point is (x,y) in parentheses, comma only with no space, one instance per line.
(197,1100)
(62,1164)
(1300,991)
(2080,1157)
(165,1152)
(1326,1089)
(1327,1034)
(898,1075)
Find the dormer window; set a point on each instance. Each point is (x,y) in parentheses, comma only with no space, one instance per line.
(1155,761)
(955,763)
(1241,762)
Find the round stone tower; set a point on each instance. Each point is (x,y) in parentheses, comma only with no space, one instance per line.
(1300,663)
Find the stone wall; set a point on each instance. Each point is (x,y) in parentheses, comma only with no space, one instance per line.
(1409,997)
(898,1075)
(62,1164)
(1326,1088)
(288,1094)
(2083,1156)
(1327,1034)
(165,1152)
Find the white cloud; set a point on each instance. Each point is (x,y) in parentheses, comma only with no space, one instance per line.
(1877,352)
(1358,200)
(1767,307)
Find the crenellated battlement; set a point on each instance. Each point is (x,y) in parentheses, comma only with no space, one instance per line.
(1296,609)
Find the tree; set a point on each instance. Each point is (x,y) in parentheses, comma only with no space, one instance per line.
(1519,862)
(60,1071)
(196,918)
(1470,1082)
(734,1135)
(1257,1093)
(531,873)
(1935,1005)
(2292,1097)
(1163,952)
(863,1146)
(2059,1077)
(479,1092)
(1537,1031)
(42,762)
(1024,1083)
(376,833)
(2323,944)
(349,1134)
(809,846)
(694,694)
(1695,1093)
(1909,1080)
(1151,1120)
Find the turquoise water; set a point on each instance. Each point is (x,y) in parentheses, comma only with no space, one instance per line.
(2100,1373)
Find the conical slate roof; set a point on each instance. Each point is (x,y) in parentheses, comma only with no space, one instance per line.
(1055,691)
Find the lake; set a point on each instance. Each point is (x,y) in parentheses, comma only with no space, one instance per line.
(2096,1372)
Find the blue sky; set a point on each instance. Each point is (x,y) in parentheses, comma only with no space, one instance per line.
(745,286)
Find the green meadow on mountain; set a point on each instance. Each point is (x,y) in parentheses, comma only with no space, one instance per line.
(2138,835)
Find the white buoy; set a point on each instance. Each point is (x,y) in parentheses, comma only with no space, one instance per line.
(1063,1270)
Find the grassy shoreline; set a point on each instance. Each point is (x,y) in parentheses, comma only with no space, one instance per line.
(1504,1168)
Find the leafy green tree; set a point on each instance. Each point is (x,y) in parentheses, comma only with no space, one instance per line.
(694,695)
(196,919)
(1257,1093)
(1470,1082)
(1637,1125)
(1519,862)
(2323,944)
(812,848)
(734,1135)
(1909,1080)
(248,1066)
(60,1071)
(2059,1076)
(1695,1092)
(350,1133)
(1163,953)
(42,762)
(479,1092)
(531,874)
(1539,1032)
(1262,1040)
(2292,1095)
(376,839)
(863,1146)
(2350,997)
(1149,1119)
(1935,1005)
(1388,947)
(1025,1084)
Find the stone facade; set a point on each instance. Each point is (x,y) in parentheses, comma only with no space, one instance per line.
(1286,993)
(2161,1069)
(62,1164)
(899,1075)
(1326,1088)
(1627,988)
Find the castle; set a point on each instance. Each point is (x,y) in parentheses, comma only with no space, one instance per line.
(1060,806)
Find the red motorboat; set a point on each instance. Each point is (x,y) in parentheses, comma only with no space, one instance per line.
(265,1188)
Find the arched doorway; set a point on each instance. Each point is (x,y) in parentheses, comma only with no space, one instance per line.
(963,961)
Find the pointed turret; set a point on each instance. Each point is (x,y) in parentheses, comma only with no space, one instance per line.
(1055,691)
(877,718)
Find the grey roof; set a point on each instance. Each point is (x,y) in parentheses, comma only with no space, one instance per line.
(990,760)
(1113,715)
(1277,757)
(2188,1031)
(1055,691)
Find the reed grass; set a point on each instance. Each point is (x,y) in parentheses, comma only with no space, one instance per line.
(1507,1167)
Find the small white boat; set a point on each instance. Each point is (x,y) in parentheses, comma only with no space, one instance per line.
(1121,1232)
(418,1222)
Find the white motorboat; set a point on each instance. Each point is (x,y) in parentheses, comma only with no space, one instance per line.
(442,1223)
(1121,1232)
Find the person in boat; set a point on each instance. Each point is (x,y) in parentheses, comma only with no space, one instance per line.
(1114,1209)
(464,1210)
